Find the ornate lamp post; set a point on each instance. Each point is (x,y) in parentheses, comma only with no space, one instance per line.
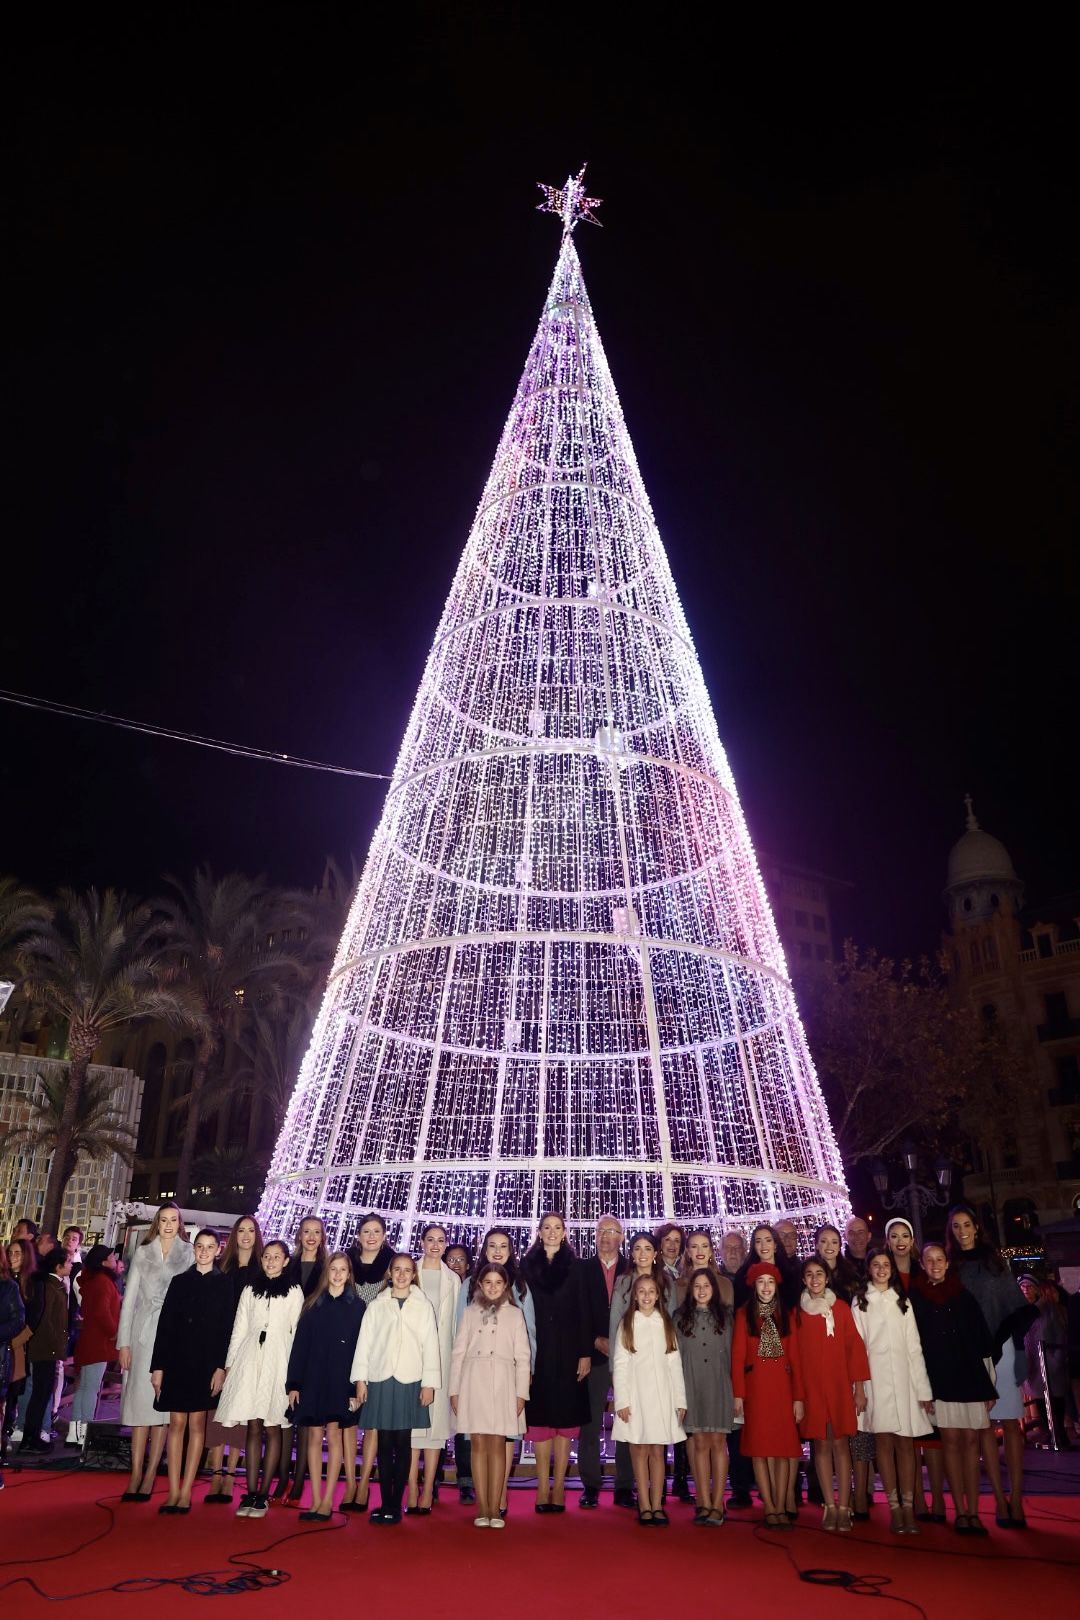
(918,1196)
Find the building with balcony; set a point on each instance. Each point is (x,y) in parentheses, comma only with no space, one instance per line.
(1018,964)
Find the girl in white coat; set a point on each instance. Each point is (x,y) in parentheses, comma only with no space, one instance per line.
(898,1395)
(441,1287)
(650,1396)
(256,1368)
(396,1371)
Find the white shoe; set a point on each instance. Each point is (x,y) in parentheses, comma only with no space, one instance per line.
(481,1523)
(15,1436)
(497,1524)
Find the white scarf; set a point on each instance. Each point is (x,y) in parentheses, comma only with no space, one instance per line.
(820,1307)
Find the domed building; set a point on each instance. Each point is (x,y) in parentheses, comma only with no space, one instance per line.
(1019,965)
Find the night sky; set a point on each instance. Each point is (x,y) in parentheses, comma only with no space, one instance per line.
(275,278)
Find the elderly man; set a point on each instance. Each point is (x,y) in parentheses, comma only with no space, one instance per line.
(597,1279)
(788,1233)
(732,1252)
(856,1243)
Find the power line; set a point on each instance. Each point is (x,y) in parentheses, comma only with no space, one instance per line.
(71,711)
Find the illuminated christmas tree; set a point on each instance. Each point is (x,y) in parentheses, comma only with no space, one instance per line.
(560,985)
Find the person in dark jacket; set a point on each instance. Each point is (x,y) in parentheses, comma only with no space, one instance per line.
(48,1345)
(307,1266)
(12,1320)
(558,1401)
(240,1264)
(320,1386)
(187,1367)
(597,1277)
(957,1348)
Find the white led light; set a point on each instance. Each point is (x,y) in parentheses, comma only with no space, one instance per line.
(560,983)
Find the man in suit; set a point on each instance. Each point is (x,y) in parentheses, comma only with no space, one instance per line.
(597,1279)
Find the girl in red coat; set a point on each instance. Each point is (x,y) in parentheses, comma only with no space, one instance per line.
(95,1345)
(834,1369)
(767,1382)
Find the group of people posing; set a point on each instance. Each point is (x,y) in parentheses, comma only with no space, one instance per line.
(733,1360)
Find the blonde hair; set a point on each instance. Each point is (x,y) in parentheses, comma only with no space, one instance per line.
(155,1224)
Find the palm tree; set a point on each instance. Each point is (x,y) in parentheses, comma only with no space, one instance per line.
(271,1048)
(233,1176)
(225,933)
(20,911)
(98,963)
(99,1130)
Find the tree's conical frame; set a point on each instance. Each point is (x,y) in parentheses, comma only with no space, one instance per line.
(560,985)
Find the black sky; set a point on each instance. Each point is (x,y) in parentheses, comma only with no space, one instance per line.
(275,277)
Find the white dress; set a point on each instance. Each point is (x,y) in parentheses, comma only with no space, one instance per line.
(649,1380)
(256,1371)
(441,1290)
(898,1380)
(148,1279)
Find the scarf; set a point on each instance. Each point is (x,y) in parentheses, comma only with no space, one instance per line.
(769,1345)
(264,1287)
(820,1307)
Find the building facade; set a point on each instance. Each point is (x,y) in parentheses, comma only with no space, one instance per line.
(1018,964)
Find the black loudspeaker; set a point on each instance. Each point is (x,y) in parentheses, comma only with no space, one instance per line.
(107,1447)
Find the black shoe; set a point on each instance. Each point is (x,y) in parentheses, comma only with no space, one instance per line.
(588,1499)
(466,1495)
(742,1499)
(684,1493)
(625,1499)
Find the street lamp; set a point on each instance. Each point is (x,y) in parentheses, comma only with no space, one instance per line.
(918,1196)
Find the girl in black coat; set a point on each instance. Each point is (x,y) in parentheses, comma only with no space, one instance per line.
(320,1386)
(956,1346)
(187,1368)
(307,1268)
(558,1402)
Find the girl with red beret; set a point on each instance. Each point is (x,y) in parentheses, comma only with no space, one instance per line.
(766,1377)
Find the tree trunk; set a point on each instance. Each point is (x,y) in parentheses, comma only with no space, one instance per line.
(199,1071)
(59,1174)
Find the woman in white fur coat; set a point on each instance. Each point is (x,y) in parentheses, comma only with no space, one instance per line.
(441,1288)
(256,1370)
(162,1255)
(898,1395)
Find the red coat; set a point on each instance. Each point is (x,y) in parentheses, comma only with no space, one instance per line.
(100,1317)
(768,1389)
(829,1368)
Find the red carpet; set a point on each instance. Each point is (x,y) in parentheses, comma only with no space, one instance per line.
(587,1563)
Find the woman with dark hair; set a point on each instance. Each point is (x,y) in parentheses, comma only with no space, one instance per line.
(319,1383)
(489,1381)
(307,1267)
(161,1255)
(257,1362)
(834,1371)
(22,1260)
(396,1373)
(95,1345)
(843,1279)
(440,1287)
(498,1249)
(957,1349)
(900,1242)
(239,1263)
(370,1258)
(985,1272)
(767,1249)
(645,1261)
(703,1329)
(187,1367)
(558,1401)
(899,1396)
(766,1378)
(12,1321)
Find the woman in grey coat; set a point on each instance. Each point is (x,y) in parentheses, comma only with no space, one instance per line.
(162,1255)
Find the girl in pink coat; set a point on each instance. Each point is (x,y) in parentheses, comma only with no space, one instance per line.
(489,1383)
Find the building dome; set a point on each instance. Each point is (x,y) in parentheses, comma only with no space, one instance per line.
(980,872)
